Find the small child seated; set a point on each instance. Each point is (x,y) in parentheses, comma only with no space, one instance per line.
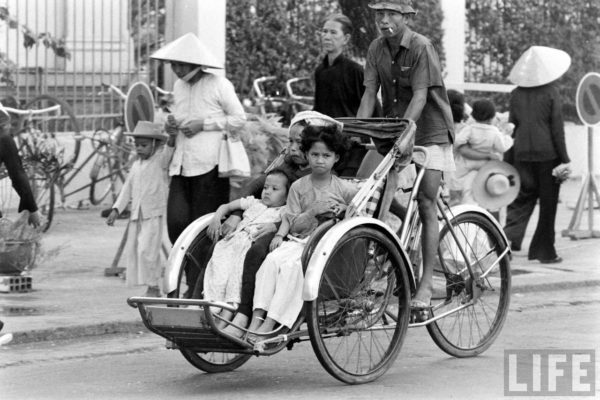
(279,281)
(223,277)
(476,144)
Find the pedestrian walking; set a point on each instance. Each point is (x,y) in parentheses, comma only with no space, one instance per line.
(9,157)
(146,189)
(539,153)
(406,66)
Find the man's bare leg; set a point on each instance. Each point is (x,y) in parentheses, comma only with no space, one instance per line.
(430,233)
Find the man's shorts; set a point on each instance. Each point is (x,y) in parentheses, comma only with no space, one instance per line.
(441,157)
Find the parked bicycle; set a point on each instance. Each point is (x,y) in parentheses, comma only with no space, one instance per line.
(360,275)
(36,135)
(268,97)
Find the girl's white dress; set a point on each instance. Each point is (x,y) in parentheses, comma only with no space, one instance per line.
(223,276)
(280,279)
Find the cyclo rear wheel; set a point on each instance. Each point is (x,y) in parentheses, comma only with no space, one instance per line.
(350,331)
(211,362)
(471,330)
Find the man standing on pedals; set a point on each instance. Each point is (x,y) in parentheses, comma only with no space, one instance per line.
(406,67)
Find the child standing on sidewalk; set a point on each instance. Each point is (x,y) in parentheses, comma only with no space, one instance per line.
(223,277)
(279,281)
(146,188)
(476,144)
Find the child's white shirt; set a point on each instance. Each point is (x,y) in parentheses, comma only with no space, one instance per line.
(482,137)
(146,186)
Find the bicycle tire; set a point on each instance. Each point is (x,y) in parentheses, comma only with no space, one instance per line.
(348,326)
(210,362)
(43,189)
(104,177)
(52,123)
(472,330)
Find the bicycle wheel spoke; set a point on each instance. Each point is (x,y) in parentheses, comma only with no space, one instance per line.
(354,296)
(473,250)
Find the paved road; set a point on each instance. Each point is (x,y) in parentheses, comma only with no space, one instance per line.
(137,365)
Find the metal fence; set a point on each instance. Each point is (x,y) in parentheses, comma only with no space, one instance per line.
(106,42)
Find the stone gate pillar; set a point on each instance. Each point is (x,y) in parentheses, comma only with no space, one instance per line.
(454,41)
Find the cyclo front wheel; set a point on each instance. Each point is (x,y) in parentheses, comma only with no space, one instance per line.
(350,330)
(472,329)
(194,266)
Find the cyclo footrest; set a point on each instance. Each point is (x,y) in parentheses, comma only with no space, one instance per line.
(184,323)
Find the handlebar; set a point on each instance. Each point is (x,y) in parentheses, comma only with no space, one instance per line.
(112,88)
(290,90)
(258,81)
(31,111)
(159,89)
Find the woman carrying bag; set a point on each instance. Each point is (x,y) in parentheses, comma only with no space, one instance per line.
(205,110)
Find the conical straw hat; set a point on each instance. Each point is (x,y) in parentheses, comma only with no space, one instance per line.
(188,49)
(538,66)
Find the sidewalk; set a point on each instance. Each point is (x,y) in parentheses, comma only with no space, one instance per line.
(71,297)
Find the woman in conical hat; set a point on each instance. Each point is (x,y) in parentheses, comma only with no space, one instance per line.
(539,148)
(205,108)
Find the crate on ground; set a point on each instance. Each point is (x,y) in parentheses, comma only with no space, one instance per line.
(15,283)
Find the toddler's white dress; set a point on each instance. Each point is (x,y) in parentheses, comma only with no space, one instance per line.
(223,277)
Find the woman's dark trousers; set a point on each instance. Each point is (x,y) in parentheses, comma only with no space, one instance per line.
(190,198)
(537,183)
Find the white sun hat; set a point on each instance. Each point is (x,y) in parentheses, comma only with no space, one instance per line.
(188,49)
(538,66)
(316,119)
(496,185)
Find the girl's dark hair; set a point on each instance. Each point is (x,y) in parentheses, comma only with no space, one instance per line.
(330,135)
(457,105)
(281,172)
(347,26)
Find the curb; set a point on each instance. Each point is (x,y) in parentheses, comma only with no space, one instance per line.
(77,331)
(107,328)
(545,287)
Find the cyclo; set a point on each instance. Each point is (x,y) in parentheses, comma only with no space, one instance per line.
(360,275)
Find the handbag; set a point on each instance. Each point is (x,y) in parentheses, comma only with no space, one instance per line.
(233,160)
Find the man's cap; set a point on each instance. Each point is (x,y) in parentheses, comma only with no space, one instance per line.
(538,66)
(402,6)
(188,49)
(315,118)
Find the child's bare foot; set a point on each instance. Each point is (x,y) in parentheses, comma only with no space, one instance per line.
(226,316)
(267,326)
(258,318)
(240,320)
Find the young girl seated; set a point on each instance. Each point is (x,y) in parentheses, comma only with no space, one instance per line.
(476,144)
(223,277)
(279,281)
